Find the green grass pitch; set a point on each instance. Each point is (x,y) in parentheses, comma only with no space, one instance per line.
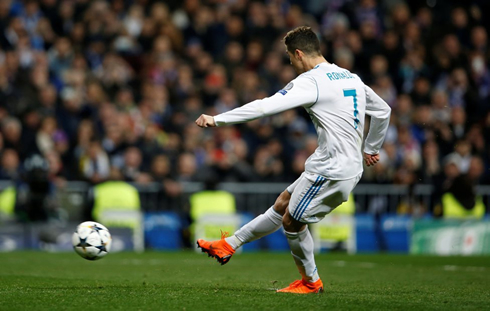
(192,281)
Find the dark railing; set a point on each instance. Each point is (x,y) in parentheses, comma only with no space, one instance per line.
(255,198)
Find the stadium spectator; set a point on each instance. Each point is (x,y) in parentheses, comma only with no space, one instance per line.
(186,167)
(132,167)
(12,130)
(463,195)
(94,163)
(10,169)
(45,135)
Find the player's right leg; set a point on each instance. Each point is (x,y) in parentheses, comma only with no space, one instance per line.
(262,225)
(258,227)
(219,249)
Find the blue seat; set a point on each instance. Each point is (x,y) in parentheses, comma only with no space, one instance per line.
(366,241)
(17,237)
(277,241)
(396,232)
(163,230)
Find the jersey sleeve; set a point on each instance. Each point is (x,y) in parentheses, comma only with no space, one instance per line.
(380,113)
(301,92)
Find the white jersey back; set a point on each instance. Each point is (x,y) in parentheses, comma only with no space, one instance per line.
(338,116)
(337,102)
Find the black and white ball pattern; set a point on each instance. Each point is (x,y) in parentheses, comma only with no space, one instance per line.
(91,240)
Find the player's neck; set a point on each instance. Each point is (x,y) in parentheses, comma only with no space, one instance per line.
(312,62)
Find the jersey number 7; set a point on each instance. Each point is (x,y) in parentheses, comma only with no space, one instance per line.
(352,92)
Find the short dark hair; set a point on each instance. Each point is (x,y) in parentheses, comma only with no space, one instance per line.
(303,39)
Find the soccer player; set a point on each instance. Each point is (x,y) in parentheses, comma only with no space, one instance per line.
(337,101)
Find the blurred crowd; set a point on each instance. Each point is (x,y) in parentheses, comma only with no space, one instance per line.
(110,89)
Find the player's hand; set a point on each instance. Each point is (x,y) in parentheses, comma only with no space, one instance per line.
(371,159)
(205,121)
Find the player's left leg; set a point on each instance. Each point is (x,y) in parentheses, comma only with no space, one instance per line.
(302,248)
(315,197)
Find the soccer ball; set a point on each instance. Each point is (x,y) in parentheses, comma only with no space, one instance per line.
(91,240)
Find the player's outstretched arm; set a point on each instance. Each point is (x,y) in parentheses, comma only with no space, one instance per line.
(302,91)
(371,159)
(205,121)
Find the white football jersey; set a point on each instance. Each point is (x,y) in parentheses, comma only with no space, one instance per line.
(337,102)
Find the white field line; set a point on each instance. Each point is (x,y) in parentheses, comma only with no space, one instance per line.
(464,268)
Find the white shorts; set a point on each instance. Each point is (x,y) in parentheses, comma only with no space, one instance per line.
(314,196)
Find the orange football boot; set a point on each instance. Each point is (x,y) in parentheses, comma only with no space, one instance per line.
(220,249)
(303,287)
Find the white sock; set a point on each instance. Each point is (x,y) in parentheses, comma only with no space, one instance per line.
(234,242)
(258,227)
(301,244)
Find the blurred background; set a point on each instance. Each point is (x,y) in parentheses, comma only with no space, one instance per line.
(99,95)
